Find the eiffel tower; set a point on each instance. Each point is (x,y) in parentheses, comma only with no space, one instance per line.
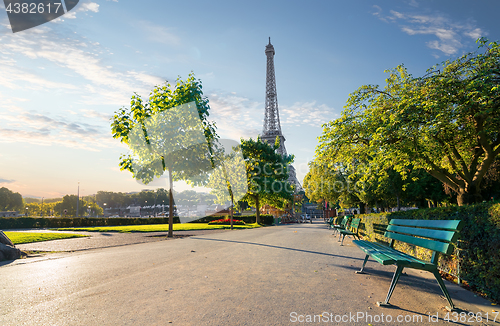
(272,126)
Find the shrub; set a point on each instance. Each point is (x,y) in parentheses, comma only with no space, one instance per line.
(226,221)
(248,219)
(67,222)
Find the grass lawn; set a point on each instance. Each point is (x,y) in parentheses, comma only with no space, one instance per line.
(158,227)
(29,237)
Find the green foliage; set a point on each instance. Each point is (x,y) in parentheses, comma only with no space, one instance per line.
(248,219)
(10,201)
(267,175)
(69,204)
(228,182)
(39,222)
(226,221)
(478,254)
(162,136)
(169,132)
(445,122)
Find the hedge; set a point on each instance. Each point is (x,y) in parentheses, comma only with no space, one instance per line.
(67,222)
(477,258)
(248,219)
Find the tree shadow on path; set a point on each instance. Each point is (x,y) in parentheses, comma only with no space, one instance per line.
(279,247)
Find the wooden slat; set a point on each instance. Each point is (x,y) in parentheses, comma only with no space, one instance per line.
(388,256)
(443,247)
(441,235)
(373,250)
(431,224)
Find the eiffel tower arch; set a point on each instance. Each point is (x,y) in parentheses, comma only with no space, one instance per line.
(272,126)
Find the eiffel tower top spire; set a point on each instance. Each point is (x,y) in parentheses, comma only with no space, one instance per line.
(272,127)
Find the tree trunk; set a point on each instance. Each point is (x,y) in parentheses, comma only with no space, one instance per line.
(232,208)
(170,205)
(469,195)
(466,198)
(257,210)
(399,203)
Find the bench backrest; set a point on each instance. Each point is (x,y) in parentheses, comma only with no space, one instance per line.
(354,225)
(435,235)
(345,221)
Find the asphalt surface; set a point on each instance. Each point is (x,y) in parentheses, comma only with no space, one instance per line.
(282,275)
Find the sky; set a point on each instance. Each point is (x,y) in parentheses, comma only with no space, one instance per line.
(61,82)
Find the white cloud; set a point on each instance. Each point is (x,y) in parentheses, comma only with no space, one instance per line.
(308,113)
(83,7)
(90,6)
(95,114)
(146,78)
(11,77)
(45,130)
(237,116)
(79,57)
(158,33)
(448,34)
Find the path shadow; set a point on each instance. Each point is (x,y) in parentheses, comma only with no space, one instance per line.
(279,247)
(6,262)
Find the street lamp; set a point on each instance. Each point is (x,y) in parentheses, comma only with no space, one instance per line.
(26,211)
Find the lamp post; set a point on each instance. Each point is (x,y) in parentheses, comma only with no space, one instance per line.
(26,211)
(41,209)
(77,198)
(104,210)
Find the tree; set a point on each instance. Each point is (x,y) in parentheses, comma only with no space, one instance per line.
(267,175)
(10,201)
(168,133)
(228,182)
(445,122)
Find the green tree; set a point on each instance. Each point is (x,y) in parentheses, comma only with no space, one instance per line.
(228,182)
(10,201)
(168,133)
(267,175)
(445,122)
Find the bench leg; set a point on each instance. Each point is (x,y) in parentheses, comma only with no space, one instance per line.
(445,291)
(395,280)
(363,267)
(342,243)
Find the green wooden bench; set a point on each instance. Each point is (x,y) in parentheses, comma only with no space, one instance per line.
(351,229)
(330,222)
(435,235)
(343,224)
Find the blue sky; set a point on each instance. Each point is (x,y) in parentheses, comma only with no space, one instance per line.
(61,82)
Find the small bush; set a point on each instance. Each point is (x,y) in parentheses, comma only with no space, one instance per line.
(226,221)
(249,219)
(68,222)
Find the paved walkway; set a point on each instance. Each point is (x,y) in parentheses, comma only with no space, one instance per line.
(285,275)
